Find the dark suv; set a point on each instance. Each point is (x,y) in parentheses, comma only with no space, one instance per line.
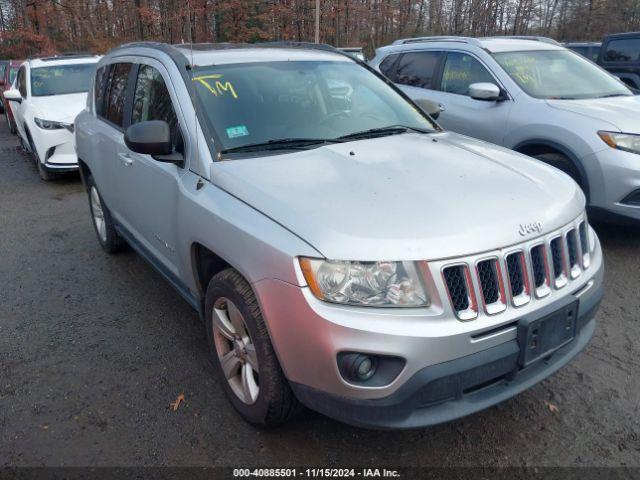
(620,55)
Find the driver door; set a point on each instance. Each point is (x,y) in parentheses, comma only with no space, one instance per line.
(150,187)
(18,108)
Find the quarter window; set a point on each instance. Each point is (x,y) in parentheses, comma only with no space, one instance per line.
(102,76)
(624,51)
(460,71)
(117,91)
(417,69)
(152,102)
(22,82)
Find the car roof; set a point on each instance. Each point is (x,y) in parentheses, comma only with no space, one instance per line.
(490,44)
(582,44)
(62,60)
(623,35)
(200,54)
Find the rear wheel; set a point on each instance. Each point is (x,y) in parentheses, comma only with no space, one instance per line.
(242,353)
(110,240)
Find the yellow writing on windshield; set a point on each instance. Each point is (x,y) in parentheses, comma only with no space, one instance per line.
(215,85)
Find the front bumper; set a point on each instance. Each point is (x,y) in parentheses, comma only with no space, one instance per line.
(618,176)
(55,149)
(457,388)
(308,335)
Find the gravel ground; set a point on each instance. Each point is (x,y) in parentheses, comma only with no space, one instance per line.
(93,349)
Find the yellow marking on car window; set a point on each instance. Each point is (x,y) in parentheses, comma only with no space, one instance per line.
(218,87)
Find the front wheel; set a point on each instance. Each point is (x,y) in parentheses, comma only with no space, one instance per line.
(561,162)
(242,353)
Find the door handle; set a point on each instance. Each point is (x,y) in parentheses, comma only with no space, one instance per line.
(441,107)
(126,159)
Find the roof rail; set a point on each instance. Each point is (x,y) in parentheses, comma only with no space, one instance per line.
(444,38)
(535,38)
(66,56)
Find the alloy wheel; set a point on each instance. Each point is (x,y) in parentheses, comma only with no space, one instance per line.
(98,214)
(236,351)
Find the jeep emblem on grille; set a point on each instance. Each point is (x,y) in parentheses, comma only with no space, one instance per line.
(527,228)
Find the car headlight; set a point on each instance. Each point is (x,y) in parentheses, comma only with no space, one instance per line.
(627,142)
(51,125)
(379,284)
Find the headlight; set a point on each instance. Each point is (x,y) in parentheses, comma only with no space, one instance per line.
(379,284)
(627,142)
(51,125)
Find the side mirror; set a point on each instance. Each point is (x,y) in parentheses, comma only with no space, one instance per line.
(149,138)
(431,108)
(488,92)
(13,95)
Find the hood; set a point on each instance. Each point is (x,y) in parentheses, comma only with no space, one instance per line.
(60,108)
(404,197)
(621,112)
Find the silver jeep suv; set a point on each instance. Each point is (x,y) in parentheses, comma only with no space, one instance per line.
(343,251)
(535,97)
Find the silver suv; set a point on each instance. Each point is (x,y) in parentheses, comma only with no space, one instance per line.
(342,250)
(535,97)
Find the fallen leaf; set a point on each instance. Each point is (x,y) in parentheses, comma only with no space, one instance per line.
(176,404)
(552,408)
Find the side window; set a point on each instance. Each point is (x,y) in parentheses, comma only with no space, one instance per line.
(116,94)
(152,101)
(387,67)
(22,82)
(460,71)
(417,69)
(624,50)
(99,89)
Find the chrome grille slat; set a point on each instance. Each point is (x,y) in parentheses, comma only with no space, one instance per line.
(518,275)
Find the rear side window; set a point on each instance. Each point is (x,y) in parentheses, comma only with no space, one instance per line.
(102,75)
(460,71)
(623,50)
(152,101)
(417,69)
(116,94)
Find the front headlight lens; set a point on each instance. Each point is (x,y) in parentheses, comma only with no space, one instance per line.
(379,284)
(627,142)
(51,125)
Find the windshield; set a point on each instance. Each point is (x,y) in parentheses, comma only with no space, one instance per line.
(252,103)
(13,71)
(61,79)
(559,74)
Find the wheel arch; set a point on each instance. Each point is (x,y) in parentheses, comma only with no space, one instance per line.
(535,147)
(205,264)
(85,172)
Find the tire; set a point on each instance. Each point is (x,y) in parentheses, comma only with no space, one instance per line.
(563,163)
(252,358)
(103,224)
(44,174)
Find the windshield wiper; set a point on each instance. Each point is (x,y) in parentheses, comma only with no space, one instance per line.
(382,131)
(280,144)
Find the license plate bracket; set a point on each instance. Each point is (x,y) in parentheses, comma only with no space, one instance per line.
(542,336)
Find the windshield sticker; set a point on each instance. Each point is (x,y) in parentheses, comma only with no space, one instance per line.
(239,131)
(216,86)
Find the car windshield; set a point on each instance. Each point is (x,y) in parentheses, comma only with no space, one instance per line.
(61,79)
(13,71)
(559,74)
(254,103)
